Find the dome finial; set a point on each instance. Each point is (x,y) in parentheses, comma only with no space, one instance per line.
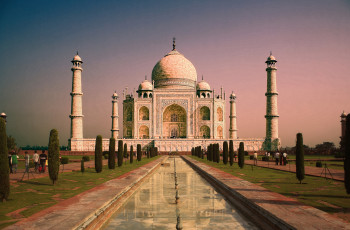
(77,52)
(202,77)
(174,45)
(270,53)
(145,77)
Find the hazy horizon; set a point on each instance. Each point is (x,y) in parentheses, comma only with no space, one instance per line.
(227,42)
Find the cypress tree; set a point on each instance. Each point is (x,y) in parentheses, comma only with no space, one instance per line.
(126,151)
(82,167)
(139,153)
(208,152)
(225,152)
(156,151)
(131,154)
(214,152)
(231,152)
(53,155)
(347,155)
(120,153)
(98,154)
(211,152)
(241,155)
(217,150)
(299,161)
(148,152)
(111,154)
(4,163)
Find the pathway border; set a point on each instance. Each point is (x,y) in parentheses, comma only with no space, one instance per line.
(269,210)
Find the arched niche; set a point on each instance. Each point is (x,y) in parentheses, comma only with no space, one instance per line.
(220,114)
(204,113)
(204,132)
(174,122)
(219,132)
(144,113)
(143,132)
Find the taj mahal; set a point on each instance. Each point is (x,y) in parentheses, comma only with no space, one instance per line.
(174,111)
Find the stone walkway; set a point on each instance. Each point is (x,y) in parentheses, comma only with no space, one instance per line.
(78,211)
(336,174)
(272,204)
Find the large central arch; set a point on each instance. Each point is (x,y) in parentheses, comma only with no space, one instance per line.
(174,122)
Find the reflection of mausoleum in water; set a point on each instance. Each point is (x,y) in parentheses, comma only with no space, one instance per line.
(173,112)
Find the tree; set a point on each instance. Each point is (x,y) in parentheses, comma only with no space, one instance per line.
(241,155)
(11,143)
(4,163)
(217,151)
(111,154)
(231,152)
(326,148)
(120,153)
(299,161)
(225,152)
(126,152)
(131,154)
(53,155)
(98,154)
(347,155)
(211,152)
(139,153)
(192,151)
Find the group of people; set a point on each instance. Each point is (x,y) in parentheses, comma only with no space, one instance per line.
(280,158)
(40,161)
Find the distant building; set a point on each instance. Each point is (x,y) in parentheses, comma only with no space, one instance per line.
(174,111)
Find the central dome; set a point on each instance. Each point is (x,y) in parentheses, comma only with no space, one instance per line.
(174,71)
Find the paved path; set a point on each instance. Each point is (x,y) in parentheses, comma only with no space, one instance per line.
(86,207)
(290,211)
(309,170)
(67,168)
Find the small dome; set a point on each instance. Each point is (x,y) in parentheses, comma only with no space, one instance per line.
(203,85)
(77,58)
(115,95)
(2,114)
(145,85)
(233,96)
(174,71)
(343,114)
(271,58)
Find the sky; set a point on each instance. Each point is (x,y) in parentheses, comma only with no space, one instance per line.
(227,42)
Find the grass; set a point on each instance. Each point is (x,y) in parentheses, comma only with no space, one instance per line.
(327,195)
(37,194)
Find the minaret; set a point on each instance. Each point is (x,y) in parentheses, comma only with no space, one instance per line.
(233,122)
(343,129)
(272,141)
(76,127)
(115,130)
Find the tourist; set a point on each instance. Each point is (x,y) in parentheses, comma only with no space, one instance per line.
(281,158)
(255,158)
(14,162)
(284,158)
(36,161)
(235,156)
(43,158)
(277,157)
(26,161)
(10,162)
(268,156)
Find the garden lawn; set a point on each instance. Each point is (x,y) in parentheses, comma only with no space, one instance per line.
(327,195)
(29,197)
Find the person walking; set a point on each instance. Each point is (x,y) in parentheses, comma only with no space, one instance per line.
(14,162)
(255,158)
(277,157)
(36,161)
(26,161)
(43,158)
(285,158)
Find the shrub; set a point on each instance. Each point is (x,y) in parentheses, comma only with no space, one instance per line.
(4,163)
(82,167)
(217,153)
(318,164)
(231,152)
(64,160)
(105,155)
(265,158)
(211,152)
(299,161)
(111,154)
(139,153)
(120,153)
(225,152)
(125,155)
(246,153)
(53,155)
(131,154)
(251,157)
(98,154)
(86,158)
(241,155)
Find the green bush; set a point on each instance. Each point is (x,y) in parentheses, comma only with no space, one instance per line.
(105,154)
(53,155)
(82,167)
(265,158)
(120,153)
(98,154)
(86,158)
(299,161)
(246,153)
(318,164)
(64,160)
(251,157)
(4,163)
(125,154)
(111,154)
